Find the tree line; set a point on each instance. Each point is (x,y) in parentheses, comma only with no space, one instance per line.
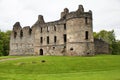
(4,43)
(108,36)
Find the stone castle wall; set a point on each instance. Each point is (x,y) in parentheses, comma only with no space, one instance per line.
(101,47)
(71,35)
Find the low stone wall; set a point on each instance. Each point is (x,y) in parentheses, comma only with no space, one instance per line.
(101,47)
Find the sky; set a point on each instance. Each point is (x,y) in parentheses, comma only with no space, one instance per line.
(106,13)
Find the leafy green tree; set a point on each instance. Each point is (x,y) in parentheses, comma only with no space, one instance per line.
(116,47)
(4,42)
(1,43)
(1,48)
(109,37)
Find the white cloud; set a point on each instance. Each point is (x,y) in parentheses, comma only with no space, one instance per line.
(105,12)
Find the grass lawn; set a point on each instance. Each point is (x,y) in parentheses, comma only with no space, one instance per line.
(102,67)
(8,57)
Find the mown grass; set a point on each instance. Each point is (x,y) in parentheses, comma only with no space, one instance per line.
(8,57)
(103,67)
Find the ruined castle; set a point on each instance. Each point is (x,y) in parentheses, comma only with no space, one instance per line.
(71,35)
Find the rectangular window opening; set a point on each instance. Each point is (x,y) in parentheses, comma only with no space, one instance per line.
(86,20)
(65,38)
(21,34)
(41,30)
(55,39)
(86,35)
(64,26)
(54,28)
(15,34)
(41,40)
(47,39)
(47,29)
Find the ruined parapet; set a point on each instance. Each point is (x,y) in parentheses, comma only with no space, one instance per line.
(80,9)
(27,31)
(90,11)
(64,13)
(79,13)
(39,21)
(16,26)
(17,30)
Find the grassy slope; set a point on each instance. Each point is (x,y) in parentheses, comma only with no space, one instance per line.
(6,57)
(105,67)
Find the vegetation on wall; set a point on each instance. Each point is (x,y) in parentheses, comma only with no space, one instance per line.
(109,37)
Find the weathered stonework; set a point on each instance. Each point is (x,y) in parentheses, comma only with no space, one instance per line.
(101,47)
(71,35)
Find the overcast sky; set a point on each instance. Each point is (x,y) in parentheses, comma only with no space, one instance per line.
(106,13)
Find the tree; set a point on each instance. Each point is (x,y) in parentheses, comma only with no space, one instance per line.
(116,47)
(109,37)
(1,43)
(4,43)
(1,47)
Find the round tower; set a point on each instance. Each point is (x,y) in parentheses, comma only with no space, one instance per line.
(80,40)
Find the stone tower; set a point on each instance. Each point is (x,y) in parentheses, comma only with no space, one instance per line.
(79,32)
(71,35)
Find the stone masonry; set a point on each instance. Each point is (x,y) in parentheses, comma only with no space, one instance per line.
(71,35)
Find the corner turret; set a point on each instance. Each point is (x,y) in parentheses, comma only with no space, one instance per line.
(79,32)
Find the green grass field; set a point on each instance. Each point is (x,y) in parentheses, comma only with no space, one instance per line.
(102,67)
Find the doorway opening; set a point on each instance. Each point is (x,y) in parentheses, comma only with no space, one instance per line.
(41,51)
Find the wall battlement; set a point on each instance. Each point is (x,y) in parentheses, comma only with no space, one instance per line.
(76,14)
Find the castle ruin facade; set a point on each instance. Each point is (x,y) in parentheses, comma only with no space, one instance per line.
(71,35)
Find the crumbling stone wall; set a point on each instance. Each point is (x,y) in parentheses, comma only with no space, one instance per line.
(101,47)
(71,35)
(21,42)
